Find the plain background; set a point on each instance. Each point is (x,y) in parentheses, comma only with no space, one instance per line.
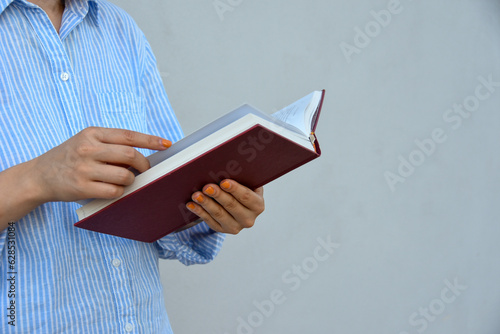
(397,248)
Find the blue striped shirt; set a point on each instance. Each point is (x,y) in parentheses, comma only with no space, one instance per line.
(98,71)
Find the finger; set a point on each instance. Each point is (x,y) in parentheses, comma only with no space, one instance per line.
(205,216)
(241,213)
(217,213)
(128,138)
(103,190)
(215,210)
(94,189)
(113,175)
(123,156)
(253,200)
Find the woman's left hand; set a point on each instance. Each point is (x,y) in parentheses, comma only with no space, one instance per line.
(228,207)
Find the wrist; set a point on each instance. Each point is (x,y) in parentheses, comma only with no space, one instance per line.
(21,191)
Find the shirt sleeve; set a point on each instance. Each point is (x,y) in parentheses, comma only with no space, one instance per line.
(198,244)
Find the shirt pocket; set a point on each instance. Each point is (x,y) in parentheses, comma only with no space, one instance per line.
(122,110)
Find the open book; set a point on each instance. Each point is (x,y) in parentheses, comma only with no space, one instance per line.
(245,144)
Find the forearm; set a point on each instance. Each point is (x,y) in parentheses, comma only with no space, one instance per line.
(19,194)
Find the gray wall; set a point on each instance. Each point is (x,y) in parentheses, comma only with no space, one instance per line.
(422,257)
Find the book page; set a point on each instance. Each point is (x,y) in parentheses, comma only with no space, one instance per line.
(299,114)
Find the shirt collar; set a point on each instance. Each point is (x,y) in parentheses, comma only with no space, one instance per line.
(84,8)
(93,7)
(4,4)
(94,10)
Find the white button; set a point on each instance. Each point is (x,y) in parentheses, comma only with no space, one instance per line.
(129,327)
(64,76)
(116,262)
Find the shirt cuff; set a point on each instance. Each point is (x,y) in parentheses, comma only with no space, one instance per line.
(196,245)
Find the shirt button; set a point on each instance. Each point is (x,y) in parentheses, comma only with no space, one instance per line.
(116,262)
(64,76)
(129,327)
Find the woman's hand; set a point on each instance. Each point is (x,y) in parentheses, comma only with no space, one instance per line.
(93,164)
(228,207)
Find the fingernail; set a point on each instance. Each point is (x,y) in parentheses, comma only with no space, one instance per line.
(199,199)
(190,206)
(226,185)
(166,143)
(209,191)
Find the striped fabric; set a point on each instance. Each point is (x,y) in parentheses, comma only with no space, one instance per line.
(99,71)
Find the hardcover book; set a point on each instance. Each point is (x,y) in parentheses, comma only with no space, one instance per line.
(246,145)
